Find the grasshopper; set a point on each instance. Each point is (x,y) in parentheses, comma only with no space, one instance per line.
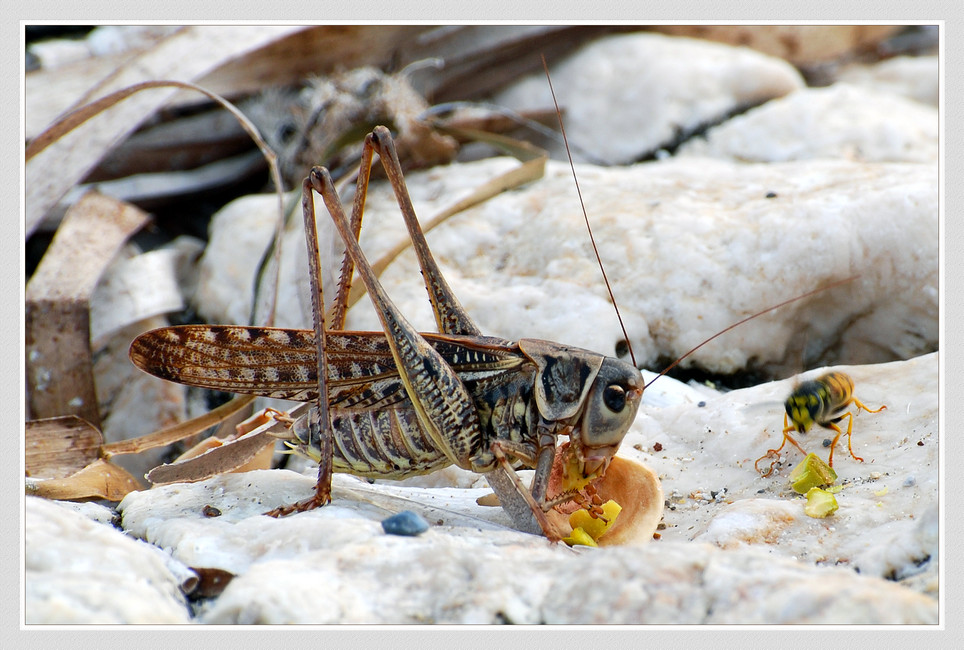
(400,403)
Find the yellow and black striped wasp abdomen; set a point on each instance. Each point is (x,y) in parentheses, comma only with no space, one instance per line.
(820,401)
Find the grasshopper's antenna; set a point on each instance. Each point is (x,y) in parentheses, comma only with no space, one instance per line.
(759,313)
(585,215)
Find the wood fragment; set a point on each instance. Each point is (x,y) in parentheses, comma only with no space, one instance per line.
(58,358)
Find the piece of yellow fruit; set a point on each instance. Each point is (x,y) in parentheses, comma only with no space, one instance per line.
(580,537)
(811,473)
(596,527)
(820,503)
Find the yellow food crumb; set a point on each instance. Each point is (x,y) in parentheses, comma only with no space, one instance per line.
(592,528)
(820,503)
(580,537)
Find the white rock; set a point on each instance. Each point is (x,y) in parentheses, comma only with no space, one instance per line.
(239,236)
(914,77)
(336,566)
(628,95)
(840,121)
(79,571)
(690,249)
(429,581)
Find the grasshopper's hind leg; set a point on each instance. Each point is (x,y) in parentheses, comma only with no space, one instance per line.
(442,402)
(452,318)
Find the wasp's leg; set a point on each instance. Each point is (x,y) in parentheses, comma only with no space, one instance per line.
(850,428)
(775,453)
(861,405)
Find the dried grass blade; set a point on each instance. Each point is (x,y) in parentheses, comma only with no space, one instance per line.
(533,167)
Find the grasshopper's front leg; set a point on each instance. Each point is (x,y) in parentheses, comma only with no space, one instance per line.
(319,420)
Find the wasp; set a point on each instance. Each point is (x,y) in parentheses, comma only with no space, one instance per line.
(822,401)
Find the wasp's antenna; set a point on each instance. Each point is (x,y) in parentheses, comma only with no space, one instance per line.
(759,313)
(585,215)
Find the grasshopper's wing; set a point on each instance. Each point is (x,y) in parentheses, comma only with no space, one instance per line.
(281,363)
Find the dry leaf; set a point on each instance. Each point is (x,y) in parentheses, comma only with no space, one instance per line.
(59,447)
(80,150)
(219,457)
(799,44)
(99,480)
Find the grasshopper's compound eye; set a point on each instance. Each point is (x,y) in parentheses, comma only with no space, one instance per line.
(611,404)
(614,397)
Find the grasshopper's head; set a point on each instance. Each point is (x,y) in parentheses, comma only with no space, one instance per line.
(607,414)
(596,396)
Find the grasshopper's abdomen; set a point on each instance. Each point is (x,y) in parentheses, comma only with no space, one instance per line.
(391,443)
(383,443)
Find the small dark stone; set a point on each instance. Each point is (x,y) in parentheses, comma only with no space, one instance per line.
(771,195)
(405,523)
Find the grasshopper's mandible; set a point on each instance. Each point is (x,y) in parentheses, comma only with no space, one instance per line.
(399,403)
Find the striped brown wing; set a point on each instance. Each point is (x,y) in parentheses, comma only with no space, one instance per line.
(281,363)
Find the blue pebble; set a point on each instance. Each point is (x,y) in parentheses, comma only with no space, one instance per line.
(406,523)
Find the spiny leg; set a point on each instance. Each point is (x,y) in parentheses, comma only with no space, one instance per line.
(339,309)
(450,316)
(440,399)
(535,508)
(322,494)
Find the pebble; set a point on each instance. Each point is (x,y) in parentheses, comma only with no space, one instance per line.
(406,523)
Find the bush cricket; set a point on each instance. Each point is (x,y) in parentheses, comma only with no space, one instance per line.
(399,403)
